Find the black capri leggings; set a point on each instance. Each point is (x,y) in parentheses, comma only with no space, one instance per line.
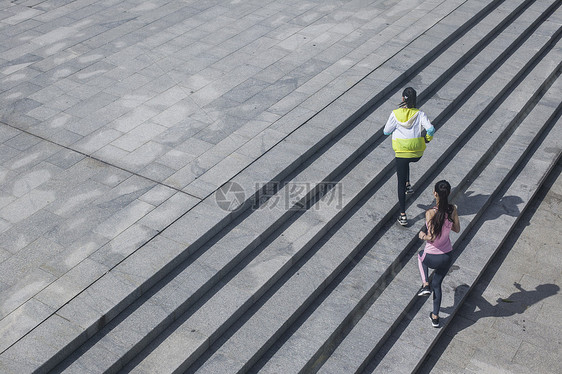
(441,264)
(403,174)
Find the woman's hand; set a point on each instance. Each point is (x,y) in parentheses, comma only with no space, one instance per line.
(422,235)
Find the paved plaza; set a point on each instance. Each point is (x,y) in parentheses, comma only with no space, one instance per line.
(119,120)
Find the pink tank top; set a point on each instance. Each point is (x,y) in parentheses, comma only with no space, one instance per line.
(441,244)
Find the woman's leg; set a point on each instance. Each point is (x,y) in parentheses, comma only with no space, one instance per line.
(402,172)
(408,169)
(403,176)
(441,264)
(423,268)
(437,292)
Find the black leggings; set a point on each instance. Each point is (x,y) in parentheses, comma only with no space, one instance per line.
(441,264)
(403,174)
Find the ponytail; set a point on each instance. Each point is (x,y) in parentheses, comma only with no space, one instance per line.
(444,209)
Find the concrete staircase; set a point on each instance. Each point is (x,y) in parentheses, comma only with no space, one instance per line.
(310,272)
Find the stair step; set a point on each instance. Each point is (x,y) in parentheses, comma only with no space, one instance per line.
(179,331)
(318,329)
(87,313)
(490,235)
(479,194)
(200,267)
(482,142)
(172,306)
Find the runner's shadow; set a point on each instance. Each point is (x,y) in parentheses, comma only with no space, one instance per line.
(469,204)
(516,303)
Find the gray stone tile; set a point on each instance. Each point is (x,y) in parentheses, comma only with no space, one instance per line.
(196,224)
(288,103)
(175,159)
(25,288)
(67,286)
(97,101)
(186,174)
(134,118)
(110,176)
(123,245)
(43,113)
(142,156)
(47,339)
(23,320)
(30,158)
(63,102)
(26,205)
(167,212)
(95,361)
(23,262)
(261,143)
(74,254)
(156,171)
(110,154)
(146,262)
(138,136)
(226,169)
(28,230)
(120,221)
(246,90)
(96,140)
(157,195)
(169,354)
(7,133)
(65,137)
(65,158)
(89,306)
(22,142)
(292,120)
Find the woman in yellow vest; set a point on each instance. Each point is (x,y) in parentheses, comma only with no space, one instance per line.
(407,125)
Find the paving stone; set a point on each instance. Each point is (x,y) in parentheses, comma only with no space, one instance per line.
(22,320)
(157,195)
(117,223)
(221,173)
(42,343)
(28,258)
(21,142)
(71,283)
(23,289)
(193,340)
(168,212)
(96,140)
(26,205)
(190,227)
(138,136)
(32,157)
(110,152)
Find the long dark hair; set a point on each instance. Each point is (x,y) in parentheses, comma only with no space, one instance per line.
(444,209)
(410,98)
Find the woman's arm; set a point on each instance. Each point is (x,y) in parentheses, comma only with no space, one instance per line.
(390,125)
(456,222)
(429,236)
(426,124)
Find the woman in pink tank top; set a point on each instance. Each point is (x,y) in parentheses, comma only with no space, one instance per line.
(440,220)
